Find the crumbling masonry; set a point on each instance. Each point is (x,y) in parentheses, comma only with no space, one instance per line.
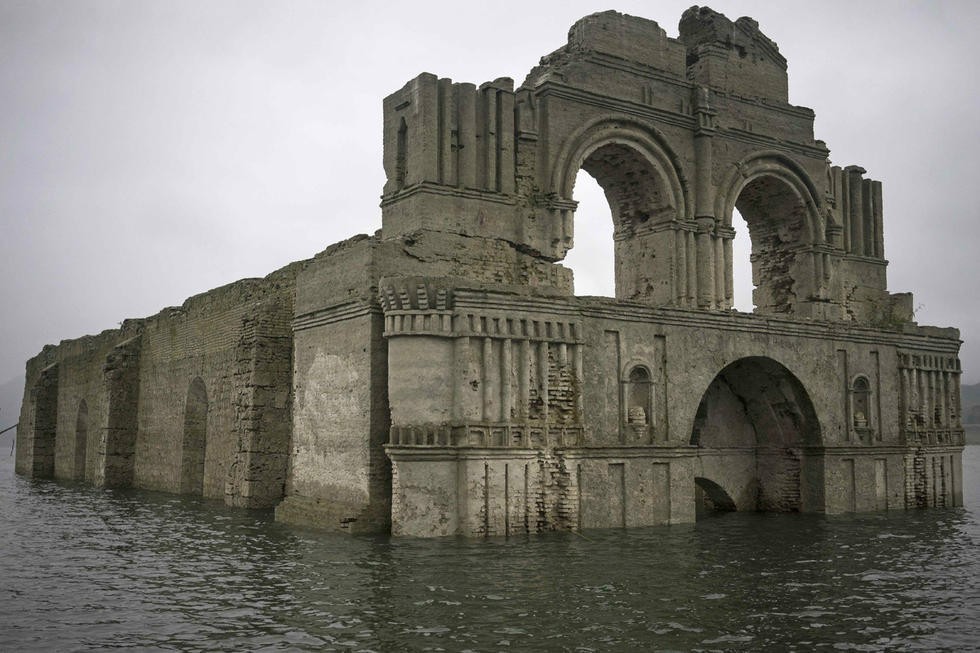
(440,377)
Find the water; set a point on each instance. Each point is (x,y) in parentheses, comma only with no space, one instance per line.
(84,569)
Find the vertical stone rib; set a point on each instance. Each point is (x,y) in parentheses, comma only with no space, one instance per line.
(868,213)
(692,270)
(466,103)
(524,380)
(489,125)
(878,228)
(447,125)
(680,270)
(488,413)
(428,116)
(706,272)
(506,370)
(856,205)
(844,208)
(719,271)
(543,366)
(729,281)
(461,353)
(579,384)
(505,141)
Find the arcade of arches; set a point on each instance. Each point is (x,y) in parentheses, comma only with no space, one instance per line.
(442,377)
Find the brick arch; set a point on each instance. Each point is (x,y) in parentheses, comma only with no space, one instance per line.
(648,144)
(645,187)
(774,165)
(782,209)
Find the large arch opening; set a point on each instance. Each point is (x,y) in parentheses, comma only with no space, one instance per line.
(194,443)
(81,441)
(751,426)
(637,197)
(742,286)
(592,259)
(776,218)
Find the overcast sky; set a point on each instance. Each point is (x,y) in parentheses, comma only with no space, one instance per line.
(150,151)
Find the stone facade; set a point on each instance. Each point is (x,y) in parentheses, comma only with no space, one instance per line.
(440,377)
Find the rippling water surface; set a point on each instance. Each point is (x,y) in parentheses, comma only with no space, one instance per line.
(86,569)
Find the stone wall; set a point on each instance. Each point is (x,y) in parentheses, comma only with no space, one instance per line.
(195,399)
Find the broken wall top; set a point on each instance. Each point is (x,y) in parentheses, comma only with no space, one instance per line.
(673,130)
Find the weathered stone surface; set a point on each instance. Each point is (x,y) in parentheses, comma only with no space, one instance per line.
(439,377)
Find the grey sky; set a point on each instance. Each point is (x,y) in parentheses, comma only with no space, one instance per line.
(150,151)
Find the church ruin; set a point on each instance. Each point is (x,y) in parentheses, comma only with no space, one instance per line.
(440,377)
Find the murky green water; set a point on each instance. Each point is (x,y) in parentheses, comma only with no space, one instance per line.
(83,569)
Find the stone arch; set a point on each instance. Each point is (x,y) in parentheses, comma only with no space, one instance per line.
(711,497)
(194,442)
(648,144)
(644,186)
(81,441)
(751,425)
(782,209)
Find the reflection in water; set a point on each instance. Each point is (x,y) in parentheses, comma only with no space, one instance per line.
(90,569)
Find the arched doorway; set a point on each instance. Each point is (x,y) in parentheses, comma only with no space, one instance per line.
(751,426)
(194,443)
(81,441)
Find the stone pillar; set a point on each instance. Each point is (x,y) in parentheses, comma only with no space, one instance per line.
(706,263)
(856,208)
(710,277)
(117,442)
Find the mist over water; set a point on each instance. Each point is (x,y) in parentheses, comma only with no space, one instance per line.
(87,569)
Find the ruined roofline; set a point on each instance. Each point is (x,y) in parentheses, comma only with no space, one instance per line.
(132,327)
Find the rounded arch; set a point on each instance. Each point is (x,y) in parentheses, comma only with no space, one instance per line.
(711,497)
(194,440)
(775,165)
(781,208)
(752,424)
(644,187)
(772,400)
(81,441)
(646,141)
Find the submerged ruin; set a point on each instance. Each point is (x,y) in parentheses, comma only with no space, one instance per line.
(440,377)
